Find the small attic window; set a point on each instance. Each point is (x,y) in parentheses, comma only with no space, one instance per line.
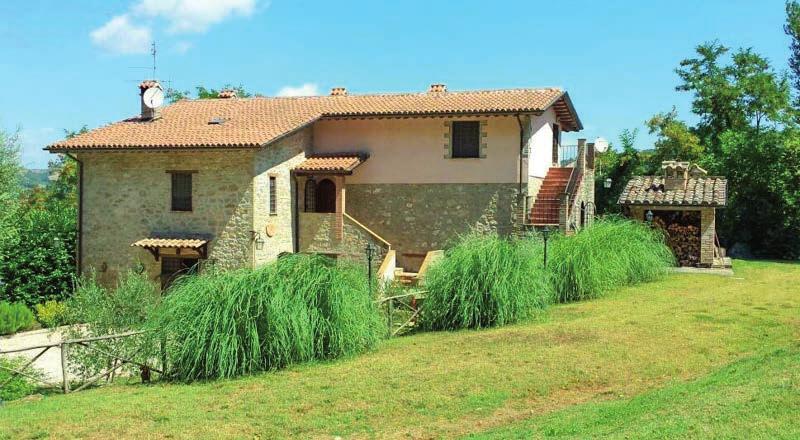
(216,121)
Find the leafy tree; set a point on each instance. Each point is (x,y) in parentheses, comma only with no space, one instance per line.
(38,262)
(716,98)
(764,191)
(674,139)
(792,29)
(174,95)
(619,166)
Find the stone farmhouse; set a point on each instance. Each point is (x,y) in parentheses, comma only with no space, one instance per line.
(236,182)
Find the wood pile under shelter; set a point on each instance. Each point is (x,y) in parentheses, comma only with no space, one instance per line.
(682,202)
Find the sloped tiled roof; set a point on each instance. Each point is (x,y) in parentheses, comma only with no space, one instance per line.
(255,122)
(336,164)
(650,190)
(155,243)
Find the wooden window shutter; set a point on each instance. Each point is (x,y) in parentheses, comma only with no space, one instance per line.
(466,139)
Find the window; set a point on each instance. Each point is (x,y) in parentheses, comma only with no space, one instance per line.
(466,139)
(273,197)
(556,141)
(311,192)
(181,191)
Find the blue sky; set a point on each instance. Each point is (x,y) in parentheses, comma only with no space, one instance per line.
(69,63)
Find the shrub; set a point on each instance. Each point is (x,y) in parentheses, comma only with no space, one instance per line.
(52,314)
(125,308)
(20,386)
(299,308)
(14,317)
(484,281)
(611,253)
(37,263)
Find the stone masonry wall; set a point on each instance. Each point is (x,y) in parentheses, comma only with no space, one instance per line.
(417,218)
(277,160)
(707,233)
(317,235)
(126,197)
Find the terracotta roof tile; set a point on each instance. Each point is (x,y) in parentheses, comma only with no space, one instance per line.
(339,163)
(188,243)
(700,191)
(255,122)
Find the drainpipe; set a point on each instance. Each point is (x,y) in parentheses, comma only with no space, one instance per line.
(296,215)
(521,150)
(79,244)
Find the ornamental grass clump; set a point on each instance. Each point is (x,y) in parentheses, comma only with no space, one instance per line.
(300,308)
(611,253)
(484,281)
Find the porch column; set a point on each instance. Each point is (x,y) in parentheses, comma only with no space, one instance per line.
(707,232)
(340,206)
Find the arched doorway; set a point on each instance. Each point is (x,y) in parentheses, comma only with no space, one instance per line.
(325,196)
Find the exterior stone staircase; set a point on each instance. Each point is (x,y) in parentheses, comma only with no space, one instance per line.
(545,211)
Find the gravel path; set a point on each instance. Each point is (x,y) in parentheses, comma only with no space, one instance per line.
(50,362)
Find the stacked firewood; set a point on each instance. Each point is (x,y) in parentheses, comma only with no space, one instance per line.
(685,243)
(684,240)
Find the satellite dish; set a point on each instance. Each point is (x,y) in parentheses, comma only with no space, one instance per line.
(600,145)
(153,97)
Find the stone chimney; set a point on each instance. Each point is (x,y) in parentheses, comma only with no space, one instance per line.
(676,174)
(227,94)
(150,112)
(437,88)
(338,91)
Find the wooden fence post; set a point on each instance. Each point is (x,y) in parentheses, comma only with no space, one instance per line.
(64,359)
(391,311)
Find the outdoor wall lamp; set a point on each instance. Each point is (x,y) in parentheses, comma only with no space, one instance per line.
(649,216)
(607,183)
(370,250)
(256,238)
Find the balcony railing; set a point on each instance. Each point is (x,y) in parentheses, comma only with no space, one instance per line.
(567,155)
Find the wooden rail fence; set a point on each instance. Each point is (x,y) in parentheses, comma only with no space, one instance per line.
(117,360)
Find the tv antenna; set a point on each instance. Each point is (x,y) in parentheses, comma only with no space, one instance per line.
(153,53)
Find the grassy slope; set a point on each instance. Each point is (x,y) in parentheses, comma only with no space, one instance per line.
(758,397)
(450,384)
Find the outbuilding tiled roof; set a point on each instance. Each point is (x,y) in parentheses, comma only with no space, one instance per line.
(335,164)
(699,191)
(255,122)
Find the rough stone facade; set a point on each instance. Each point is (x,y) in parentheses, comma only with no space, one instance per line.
(417,218)
(126,197)
(277,160)
(318,235)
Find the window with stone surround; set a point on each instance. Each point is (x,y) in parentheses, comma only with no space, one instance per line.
(273,195)
(466,139)
(181,190)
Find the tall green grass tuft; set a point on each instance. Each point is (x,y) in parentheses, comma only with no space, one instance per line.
(297,309)
(611,253)
(484,281)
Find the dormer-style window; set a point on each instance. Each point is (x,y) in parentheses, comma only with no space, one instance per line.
(181,190)
(466,139)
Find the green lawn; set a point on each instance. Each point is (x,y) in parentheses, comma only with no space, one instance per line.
(692,356)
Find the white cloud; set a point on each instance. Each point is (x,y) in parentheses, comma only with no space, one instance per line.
(182,47)
(307,89)
(121,36)
(194,15)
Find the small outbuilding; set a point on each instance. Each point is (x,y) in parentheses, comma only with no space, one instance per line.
(683,202)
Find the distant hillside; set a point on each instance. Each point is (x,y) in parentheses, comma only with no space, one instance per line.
(33,178)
